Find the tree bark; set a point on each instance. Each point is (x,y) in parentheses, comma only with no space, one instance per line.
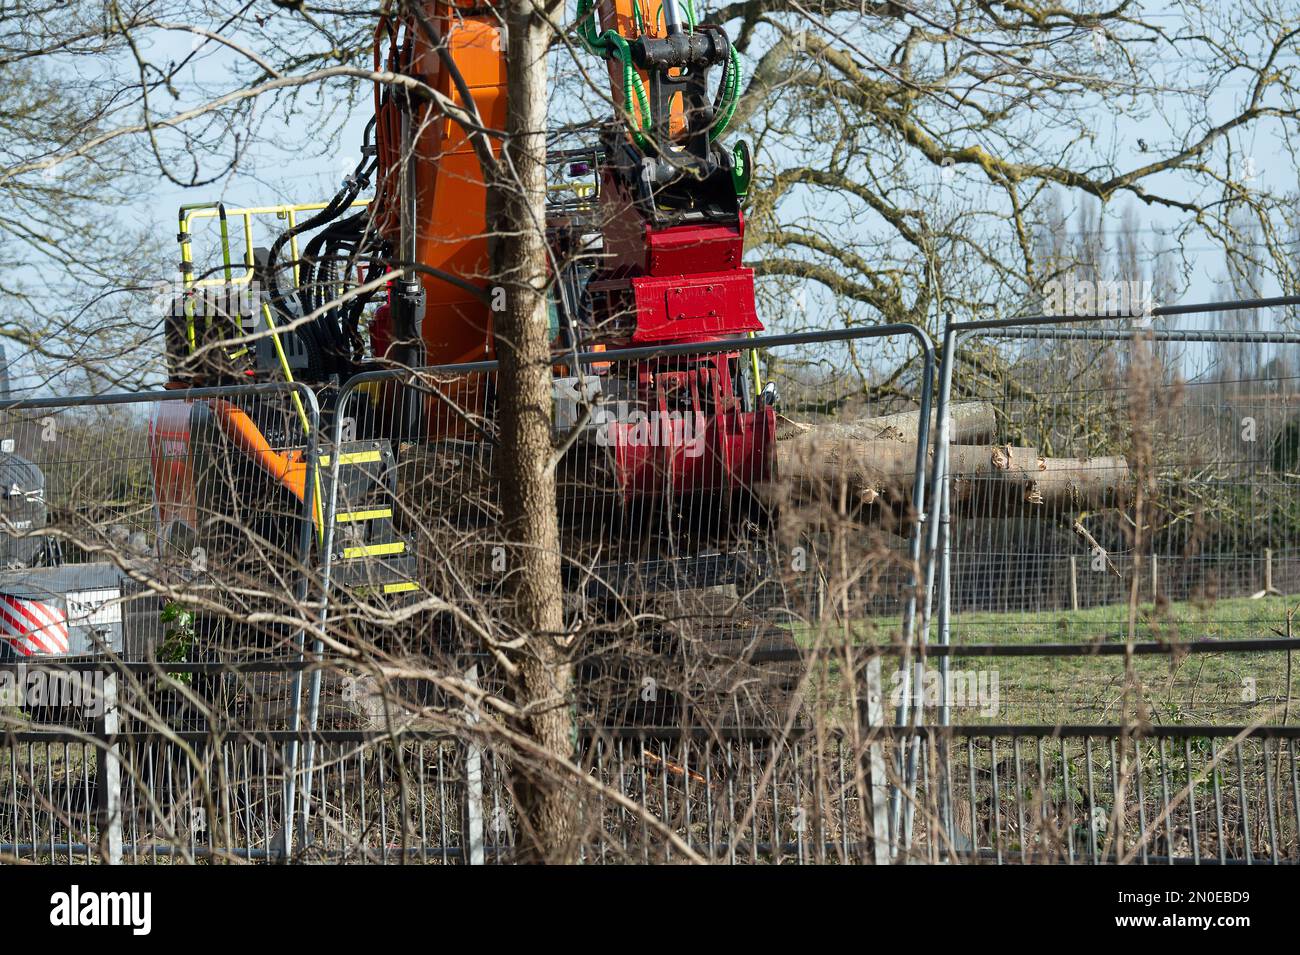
(1002,479)
(972,422)
(987,479)
(534,607)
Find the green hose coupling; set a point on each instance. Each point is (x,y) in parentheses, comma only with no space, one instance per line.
(742,168)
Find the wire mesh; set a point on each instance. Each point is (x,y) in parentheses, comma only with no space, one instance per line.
(156,529)
(1106,486)
(733,563)
(710,532)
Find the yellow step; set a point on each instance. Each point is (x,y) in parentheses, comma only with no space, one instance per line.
(351,517)
(374,550)
(353,457)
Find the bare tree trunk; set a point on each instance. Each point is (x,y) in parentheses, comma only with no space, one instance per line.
(534,600)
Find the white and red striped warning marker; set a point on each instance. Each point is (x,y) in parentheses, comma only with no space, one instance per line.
(32,627)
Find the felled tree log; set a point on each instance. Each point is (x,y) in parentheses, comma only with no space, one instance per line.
(1001,478)
(972,422)
(991,480)
(814,465)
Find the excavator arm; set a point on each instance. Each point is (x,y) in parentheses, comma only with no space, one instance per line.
(666,240)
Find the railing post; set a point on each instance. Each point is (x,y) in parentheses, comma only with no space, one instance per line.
(1074,583)
(473,785)
(882,843)
(1269,590)
(108,776)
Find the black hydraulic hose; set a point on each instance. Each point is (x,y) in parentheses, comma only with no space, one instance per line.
(307,270)
(329,213)
(329,281)
(726,70)
(312,333)
(460,283)
(330,268)
(368,136)
(478,138)
(311,295)
(342,201)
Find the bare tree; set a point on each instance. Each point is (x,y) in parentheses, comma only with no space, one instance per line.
(526,464)
(917,161)
(894,136)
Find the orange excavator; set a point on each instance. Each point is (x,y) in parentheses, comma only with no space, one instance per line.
(646,231)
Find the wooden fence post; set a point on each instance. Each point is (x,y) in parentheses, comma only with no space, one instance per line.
(1074,583)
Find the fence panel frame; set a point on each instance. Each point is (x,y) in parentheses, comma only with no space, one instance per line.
(1040,327)
(921,480)
(305,403)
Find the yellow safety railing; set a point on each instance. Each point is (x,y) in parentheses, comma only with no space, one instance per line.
(209,210)
(188,215)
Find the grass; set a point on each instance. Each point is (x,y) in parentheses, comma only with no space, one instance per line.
(1236,619)
(1223,688)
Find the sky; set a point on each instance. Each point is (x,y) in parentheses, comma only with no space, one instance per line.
(279,171)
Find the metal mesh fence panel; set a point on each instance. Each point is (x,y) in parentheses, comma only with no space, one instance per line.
(711,531)
(156,530)
(296,647)
(1108,485)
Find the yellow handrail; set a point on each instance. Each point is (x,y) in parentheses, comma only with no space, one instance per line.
(185,237)
(211,210)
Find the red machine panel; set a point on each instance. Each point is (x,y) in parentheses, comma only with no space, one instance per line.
(693,438)
(696,307)
(694,248)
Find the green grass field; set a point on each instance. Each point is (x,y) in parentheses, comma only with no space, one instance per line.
(1230,687)
(1237,619)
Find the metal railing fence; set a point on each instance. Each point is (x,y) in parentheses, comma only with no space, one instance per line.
(1013,793)
(732,700)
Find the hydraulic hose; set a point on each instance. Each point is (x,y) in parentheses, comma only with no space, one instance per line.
(342,201)
(728,95)
(612,44)
(313,337)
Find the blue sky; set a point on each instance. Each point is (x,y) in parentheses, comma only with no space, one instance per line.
(283,174)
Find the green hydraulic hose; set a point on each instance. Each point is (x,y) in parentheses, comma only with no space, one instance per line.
(631,85)
(730,96)
(611,43)
(588,31)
